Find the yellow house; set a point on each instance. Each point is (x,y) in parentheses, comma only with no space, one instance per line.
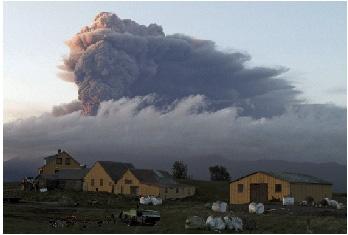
(144,182)
(62,160)
(264,186)
(103,176)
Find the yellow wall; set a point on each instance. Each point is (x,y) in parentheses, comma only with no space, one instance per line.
(153,190)
(52,166)
(317,191)
(97,172)
(183,191)
(144,190)
(244,197)
(128,180)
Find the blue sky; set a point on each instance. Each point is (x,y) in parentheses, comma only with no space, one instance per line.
(307,37)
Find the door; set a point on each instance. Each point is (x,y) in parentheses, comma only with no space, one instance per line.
(258,192)
(134,190)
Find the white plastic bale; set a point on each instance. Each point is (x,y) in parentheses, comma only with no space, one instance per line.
(288,201)
(209,220)
(145,200)
(215,223)
(260,208)
(235,223)
(215,207)
(252,207)
(219,206)
(42,190)
(220,225)
(333,203)
(256,208)
(340,206)
(156,201)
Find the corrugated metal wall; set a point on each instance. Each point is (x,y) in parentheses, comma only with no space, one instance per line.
(244,197)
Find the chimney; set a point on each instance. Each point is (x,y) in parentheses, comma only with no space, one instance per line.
(59,150)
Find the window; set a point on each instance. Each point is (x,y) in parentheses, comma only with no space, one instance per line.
(101,182)
(92,182)
(127,181)
(59,161)
(56,171)
(67,161)
(176,190)
(240,188)
(278,188)
(166,190)
(121,189)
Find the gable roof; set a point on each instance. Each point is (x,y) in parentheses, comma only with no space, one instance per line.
(154,177)
(53,157)
(290,177)
(115,169)
(72,174)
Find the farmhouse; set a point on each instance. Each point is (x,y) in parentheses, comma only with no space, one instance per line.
(57,162)
(61,171)
(145,182)
(123,178)
(103,176)
(264,186)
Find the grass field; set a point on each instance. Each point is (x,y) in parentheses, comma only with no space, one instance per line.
(33,214)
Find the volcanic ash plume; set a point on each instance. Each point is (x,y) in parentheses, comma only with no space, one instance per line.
(116,58)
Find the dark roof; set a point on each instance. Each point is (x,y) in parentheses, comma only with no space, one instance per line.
(154,177)
(49,158)
(53,157)
(72,174)
(290,177)
(115,169)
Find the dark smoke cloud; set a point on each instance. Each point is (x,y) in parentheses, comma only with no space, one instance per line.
(116,58)
(135,130)
(66,108)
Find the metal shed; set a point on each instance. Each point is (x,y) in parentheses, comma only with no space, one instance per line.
(263,186)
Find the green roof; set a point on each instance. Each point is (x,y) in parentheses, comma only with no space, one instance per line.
(297,178)
(291,177)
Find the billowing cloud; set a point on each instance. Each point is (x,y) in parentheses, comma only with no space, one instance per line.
(66,108)
(151,98)
(115,58)
(136,130)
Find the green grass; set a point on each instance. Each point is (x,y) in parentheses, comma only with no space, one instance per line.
(34,217)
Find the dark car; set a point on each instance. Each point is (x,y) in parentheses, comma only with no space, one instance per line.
(142,217)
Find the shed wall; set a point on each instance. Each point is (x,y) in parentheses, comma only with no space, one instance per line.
(317,191)
(244,197)
(144,189)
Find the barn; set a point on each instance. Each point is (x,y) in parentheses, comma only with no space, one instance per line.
(148,182)
(264,186)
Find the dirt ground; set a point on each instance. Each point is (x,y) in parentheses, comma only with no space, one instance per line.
(35,211)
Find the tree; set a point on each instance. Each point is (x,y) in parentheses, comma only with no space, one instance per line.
(219,173)
(179,170)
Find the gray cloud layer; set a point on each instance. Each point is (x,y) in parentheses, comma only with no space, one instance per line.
(136,129)
(174,97)
(116,58)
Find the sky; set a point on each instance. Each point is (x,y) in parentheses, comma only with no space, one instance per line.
(250,81)
(309,38)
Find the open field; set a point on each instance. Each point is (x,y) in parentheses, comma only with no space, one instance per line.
(33,214)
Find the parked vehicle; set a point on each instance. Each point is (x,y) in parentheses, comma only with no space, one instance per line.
(142,217)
